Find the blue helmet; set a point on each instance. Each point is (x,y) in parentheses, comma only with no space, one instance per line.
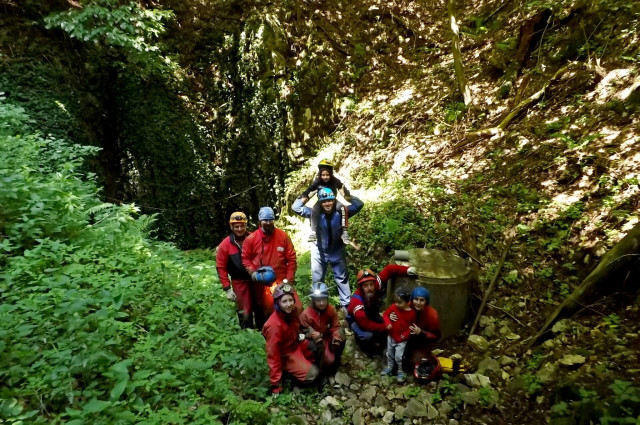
(319,290)
(326,194)
(266,275)
(421,292)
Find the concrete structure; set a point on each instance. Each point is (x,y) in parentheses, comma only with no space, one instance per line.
(448,278)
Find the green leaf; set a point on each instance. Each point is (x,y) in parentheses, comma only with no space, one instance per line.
(95,405)
(117,391)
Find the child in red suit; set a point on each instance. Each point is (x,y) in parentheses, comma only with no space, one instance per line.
(320,324)
(399,331)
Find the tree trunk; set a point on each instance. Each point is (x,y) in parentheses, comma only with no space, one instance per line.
(457,56)
(617,259)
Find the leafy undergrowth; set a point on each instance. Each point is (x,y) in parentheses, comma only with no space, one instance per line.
(99,324)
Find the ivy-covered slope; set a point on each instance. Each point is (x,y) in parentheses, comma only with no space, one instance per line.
(99,324)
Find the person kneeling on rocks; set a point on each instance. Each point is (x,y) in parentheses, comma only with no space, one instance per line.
(363,315)
(321,325)
(287,348)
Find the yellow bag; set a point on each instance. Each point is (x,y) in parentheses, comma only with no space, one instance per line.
(452,365)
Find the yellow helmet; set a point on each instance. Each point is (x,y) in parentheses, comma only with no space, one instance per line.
(238,217)
(325,163)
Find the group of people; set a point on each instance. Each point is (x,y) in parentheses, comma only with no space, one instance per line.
(257,272)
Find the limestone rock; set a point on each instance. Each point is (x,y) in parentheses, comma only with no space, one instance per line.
(329,401)
(572,360)
(546,372)
(358,417)
(368,394)
(476,380)
(432,412)
(353,403)
(560,326)
(485,320)
(399,412)
(489,366)
(388,417)
(478,343)
(382,401)
(415,409)
(470,397)
(445,408)
(507,361)
(343,379)
(325,416)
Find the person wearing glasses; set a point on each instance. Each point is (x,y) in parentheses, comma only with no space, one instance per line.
(329,249)
(268,248)
(235,280)
(363,312)
(287,349)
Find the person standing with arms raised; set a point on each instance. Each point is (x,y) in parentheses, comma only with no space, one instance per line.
(329,249)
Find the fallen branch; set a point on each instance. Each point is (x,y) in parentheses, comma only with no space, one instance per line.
(622,256)
(504,311)
(457,56)
(510,237)
(474,136)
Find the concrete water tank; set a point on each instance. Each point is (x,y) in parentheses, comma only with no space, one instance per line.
(447,276)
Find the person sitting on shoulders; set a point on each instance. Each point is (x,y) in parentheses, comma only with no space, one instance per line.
(327,179)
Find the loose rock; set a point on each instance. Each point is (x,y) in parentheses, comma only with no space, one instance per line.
(343,379)
(358,417)
(329,401)
(415,409)
(470,397)
(368,394)
(572,360)
(489,366)
(477,380)
(478,343)
(325,416)
(546,372)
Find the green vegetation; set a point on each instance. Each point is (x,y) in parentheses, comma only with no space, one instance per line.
(99,324)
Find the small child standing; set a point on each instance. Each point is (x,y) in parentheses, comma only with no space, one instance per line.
(326,178)
(399,331)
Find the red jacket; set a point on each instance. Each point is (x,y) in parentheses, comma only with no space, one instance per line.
(325,322)
(281,334)
(229,261)
(391,270)
(429,322)
(276,251)
(356,308)
(400,328)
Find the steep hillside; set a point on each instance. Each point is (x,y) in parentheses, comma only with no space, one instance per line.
(549,149)
(205,107)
